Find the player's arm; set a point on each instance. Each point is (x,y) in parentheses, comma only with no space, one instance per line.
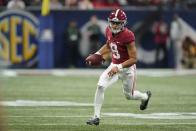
(104,49)
(132,55)
(97,58)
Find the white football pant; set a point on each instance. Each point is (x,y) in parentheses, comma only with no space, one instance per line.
(128,77)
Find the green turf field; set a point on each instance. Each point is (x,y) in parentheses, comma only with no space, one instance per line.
(174,95)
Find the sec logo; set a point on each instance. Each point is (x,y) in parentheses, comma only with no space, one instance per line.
(18,37)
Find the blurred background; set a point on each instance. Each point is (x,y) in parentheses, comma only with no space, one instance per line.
(61,35)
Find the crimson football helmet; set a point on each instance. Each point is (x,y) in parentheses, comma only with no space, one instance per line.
(117,15)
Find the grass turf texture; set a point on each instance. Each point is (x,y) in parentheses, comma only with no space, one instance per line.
(169,95)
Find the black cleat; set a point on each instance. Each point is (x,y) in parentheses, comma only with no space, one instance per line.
(93,121)
(144,104)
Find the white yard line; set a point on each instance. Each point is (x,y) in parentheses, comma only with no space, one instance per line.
(144,117)
(29,103)
(42,103)
(168,116)
(175,115)
(46,116)
(47,109)
(94,72)
(64,124)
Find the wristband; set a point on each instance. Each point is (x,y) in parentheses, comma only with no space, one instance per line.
(98,53)
(119,66)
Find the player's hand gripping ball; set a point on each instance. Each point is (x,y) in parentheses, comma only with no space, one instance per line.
(95,60)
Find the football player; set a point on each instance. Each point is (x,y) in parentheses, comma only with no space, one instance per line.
(121,43)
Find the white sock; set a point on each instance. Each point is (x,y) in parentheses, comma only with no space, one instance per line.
(99,97)
(140,96)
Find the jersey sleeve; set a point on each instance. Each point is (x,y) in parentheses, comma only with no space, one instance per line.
(129,37)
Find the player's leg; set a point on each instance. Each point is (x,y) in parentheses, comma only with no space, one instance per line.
(129,83)
(128,78)
(104,82)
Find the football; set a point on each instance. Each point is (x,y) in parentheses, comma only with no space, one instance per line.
(95,60)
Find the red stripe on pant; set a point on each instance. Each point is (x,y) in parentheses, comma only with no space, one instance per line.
(134,80)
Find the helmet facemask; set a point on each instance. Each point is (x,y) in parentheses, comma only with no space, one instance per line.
(121,22)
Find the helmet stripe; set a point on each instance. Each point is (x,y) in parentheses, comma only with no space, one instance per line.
(116,13)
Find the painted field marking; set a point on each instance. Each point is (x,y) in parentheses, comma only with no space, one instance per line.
(47,109)
(177,115)
(64,124)
(171,116)
(94,72)
(46,116)
(42,103)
